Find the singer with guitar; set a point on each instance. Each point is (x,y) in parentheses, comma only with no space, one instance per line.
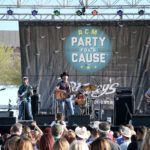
(63,92)
(24,100)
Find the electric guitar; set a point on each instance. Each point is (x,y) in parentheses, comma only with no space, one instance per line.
(21,98)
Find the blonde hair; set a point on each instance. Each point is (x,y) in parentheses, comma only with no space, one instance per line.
(11,143)
(24,144)
(61,144)
(78,145)
(146,141)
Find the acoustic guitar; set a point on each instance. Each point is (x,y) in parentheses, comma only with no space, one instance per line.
(60,95)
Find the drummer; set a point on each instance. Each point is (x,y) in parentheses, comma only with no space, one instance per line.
(80,95)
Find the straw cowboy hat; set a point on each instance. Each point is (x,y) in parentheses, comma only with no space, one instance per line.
(126,132)
(81,132)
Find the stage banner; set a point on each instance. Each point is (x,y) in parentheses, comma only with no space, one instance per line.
(100,55)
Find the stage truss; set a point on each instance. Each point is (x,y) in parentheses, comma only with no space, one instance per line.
(107,9)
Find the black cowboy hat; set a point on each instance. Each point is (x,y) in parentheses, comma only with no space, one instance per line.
(64,74)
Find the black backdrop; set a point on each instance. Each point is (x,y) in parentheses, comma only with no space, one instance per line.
(42,57)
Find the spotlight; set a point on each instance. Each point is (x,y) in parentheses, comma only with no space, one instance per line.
(34,12)
(141,12)
(57,13)
(120,12)
(94,12)
(78,12)
(10,12)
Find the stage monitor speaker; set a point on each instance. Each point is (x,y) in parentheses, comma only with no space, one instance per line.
(123,109)
(44,119)
(141,120)
(7,120)
(80,120)
(6,113)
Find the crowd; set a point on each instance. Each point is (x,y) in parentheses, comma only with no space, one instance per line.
(57,137)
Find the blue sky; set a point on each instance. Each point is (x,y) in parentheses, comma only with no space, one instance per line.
(9,25)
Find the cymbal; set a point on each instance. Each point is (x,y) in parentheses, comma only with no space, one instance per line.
(90,88)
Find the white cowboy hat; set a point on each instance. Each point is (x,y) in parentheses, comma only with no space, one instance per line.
(126,132)
(81,132)
(96,124)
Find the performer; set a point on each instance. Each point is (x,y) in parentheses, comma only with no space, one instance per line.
(24,93)
(147,95)
(64,87)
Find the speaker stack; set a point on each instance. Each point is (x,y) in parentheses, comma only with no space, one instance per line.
(6,118)
(123,106)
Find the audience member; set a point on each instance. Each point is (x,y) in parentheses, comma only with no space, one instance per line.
(104,129)
(61,144)
(27,132)
(59,120)
(94,135)
(131,127)
(78,145)
(47,141)
(70,136)
(120,139)
(136,145)
(16,130)
(146,141)
(126,133)
(100,144)
(57,131)
(116,136)
(11,144)
(81,133)
(4,139)
(24,144)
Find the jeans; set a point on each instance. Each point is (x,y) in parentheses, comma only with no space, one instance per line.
(27,109)
(69,106)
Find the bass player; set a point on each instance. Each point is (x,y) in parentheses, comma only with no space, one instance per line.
(64,88)
(24,94)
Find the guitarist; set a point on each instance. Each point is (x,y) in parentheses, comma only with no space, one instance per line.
(147,95)
(64,86)
(24,93)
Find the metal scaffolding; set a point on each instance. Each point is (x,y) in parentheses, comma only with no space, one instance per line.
(107,9)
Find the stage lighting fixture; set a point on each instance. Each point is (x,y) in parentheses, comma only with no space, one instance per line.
(34,12)
(57,13)
(83,11)
(10,12)
(78,12)
(141,12)
(94,12)
(120,12)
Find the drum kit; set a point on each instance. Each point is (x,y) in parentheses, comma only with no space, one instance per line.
(83,97)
